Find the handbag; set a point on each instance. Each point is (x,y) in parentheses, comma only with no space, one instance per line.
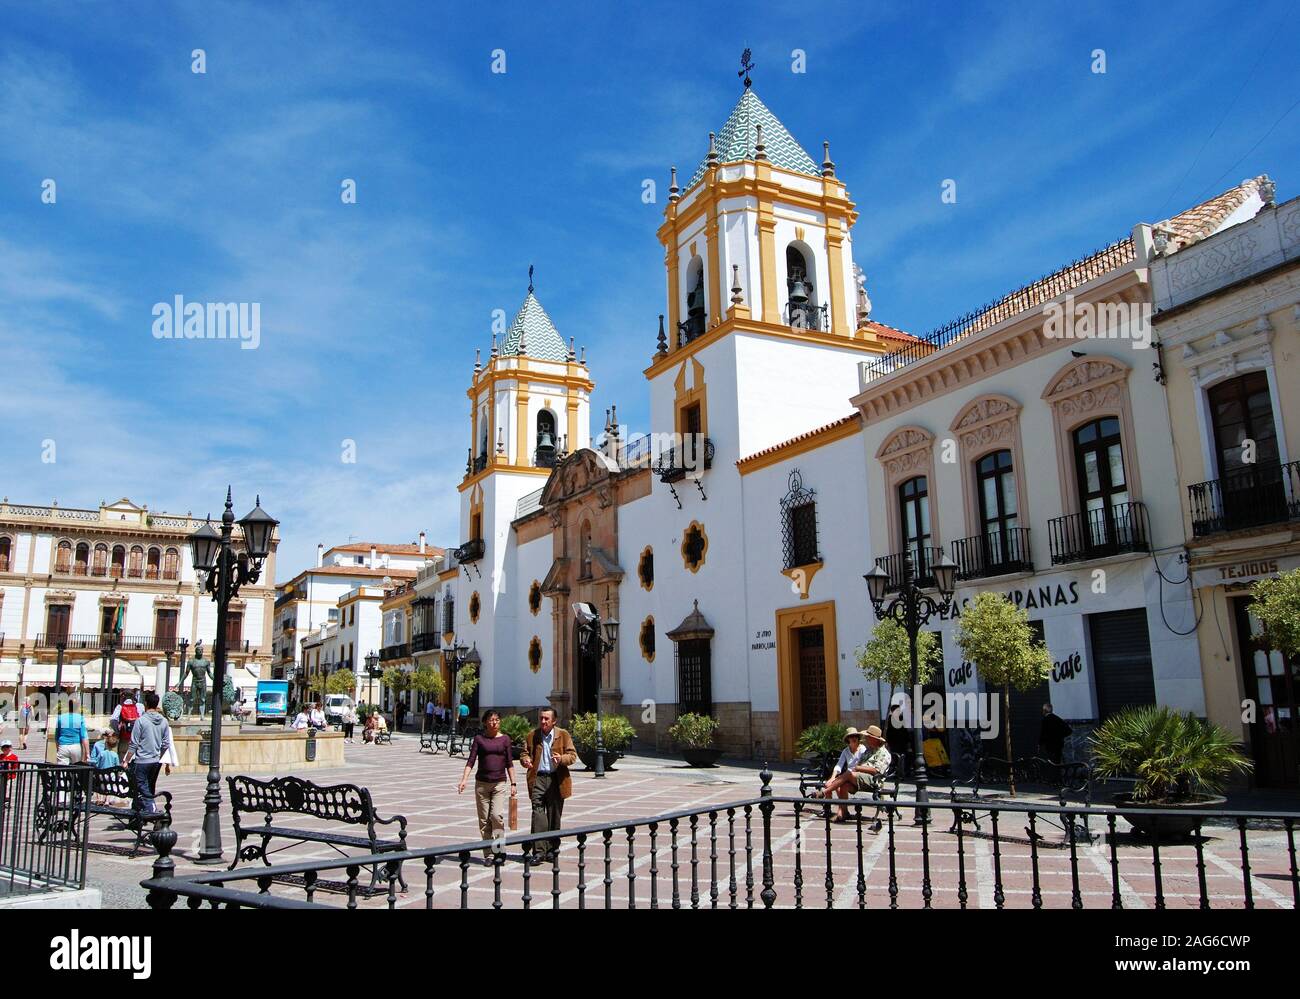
(514,813)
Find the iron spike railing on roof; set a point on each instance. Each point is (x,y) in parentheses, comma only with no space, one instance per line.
(1072,275)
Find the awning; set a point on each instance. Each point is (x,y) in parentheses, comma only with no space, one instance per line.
(694,625)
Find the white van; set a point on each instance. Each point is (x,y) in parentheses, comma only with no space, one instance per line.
(335,705)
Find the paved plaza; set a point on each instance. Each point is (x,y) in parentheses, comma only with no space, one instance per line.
(422,787)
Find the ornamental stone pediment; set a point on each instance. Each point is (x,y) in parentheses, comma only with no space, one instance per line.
(576,474)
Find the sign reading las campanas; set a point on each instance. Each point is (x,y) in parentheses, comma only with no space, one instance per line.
(1245,572)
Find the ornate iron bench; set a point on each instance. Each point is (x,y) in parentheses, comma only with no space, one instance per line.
(816,771)
(62,787)
(345,803)
(1066,780)
(457,743)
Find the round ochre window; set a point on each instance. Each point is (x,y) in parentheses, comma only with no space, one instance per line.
(645,568)
(695,545)
(475,605)
(535,598)
(647,639)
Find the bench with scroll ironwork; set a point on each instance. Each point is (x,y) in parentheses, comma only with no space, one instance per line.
(344,803)
(1067,781)
(63,795)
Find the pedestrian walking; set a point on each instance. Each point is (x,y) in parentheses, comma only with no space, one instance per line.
(1052,733)
(491,751)
(150,751)
(72,742)
(548,754)
(24,721)
(123,719)
(428,715)
(349,722)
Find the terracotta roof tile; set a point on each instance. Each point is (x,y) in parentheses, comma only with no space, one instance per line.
(1204,219)
(413,549)
(807,435)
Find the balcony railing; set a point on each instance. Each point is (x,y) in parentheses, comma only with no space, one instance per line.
(692,327)
(427,641)
(1248,497)
(1114,530)
(97,643)
(674,464)
(471,551)
(995,554)
(896,566)
(480,462)
(400,651)
(806,316)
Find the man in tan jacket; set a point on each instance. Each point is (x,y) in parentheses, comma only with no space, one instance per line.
(548,754)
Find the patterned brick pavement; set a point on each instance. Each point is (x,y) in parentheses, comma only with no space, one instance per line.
(423,788)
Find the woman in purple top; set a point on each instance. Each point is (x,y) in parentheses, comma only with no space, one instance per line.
(491,751)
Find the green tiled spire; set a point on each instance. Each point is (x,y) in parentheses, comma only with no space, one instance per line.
(738,136)
(533,327)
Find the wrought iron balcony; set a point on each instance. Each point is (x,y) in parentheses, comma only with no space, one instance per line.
(1114,530)
(97,643)
(806,316)
(693,326)
(995,554)
(480,462)
(1255,496)
(471,551)
(426,641)
(896,566)
(674,464)
(389,652)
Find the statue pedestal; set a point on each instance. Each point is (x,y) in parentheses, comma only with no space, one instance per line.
(193,725)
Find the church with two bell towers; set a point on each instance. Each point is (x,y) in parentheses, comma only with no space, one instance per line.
(682,534)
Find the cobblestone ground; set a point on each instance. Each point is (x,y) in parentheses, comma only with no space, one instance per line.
(422,787)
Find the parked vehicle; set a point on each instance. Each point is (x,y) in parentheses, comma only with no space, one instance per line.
(335,705)
(272,701)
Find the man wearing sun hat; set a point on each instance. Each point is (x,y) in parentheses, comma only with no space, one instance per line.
(862,763)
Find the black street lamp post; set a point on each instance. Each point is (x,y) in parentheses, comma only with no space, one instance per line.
(456,657)
(223,571)
(600,640)
(913,609)
(373,672)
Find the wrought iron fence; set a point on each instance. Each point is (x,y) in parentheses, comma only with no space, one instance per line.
(738,855)
(44,825)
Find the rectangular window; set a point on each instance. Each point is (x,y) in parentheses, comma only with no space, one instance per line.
(164,628)
(57,618)
(234,630)
(694,676)
(803,535)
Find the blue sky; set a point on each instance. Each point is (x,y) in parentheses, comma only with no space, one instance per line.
(225,187)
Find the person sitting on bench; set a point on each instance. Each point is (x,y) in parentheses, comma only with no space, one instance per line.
(862,763)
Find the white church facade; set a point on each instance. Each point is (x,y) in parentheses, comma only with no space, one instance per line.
(794,443)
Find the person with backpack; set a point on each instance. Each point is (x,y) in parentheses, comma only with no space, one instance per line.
(149,752)
(123,720)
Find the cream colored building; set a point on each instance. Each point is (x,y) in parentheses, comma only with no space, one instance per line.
(64,574)
(1228,322)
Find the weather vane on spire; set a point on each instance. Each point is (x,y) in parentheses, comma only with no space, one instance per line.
(530,279)
(745,66)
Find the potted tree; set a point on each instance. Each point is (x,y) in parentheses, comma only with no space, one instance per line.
(1179,763)
(887,658)
(995,635)
(616,734)
(693,735)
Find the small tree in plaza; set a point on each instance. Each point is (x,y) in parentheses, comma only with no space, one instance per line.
(887,656)
(397,680)
(995,635)
(427,681)
(342,681)
(467,681)
(1277,605)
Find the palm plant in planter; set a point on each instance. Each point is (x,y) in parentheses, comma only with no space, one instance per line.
(616,733)
(1178,762)
(693,735)
(822,744)
(517,727)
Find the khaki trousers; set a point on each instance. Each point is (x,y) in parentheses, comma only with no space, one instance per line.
(68,754)
(491,800)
